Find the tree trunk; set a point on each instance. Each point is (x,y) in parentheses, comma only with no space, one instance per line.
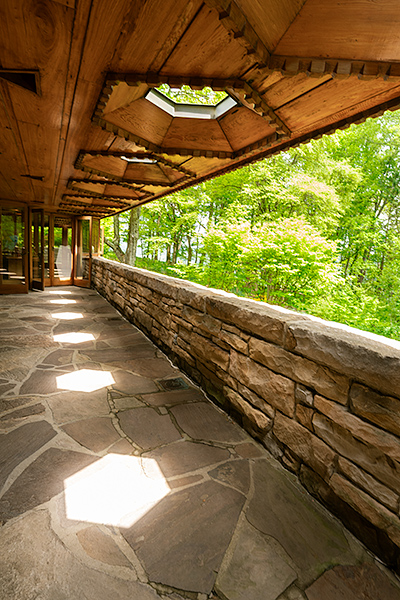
(115,243)
(133,236)
(190,251)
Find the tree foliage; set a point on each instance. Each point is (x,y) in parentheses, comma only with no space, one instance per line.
(315,229)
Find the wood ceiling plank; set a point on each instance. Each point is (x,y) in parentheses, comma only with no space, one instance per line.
(143,119)
(99,140)
(101,37)
(167,20)
(201,165)
(357,30)
(12,151)
(113,189)
(207,49)
(148,173)
(196,134)
(106,164)
(334,100)
(287,89)
(243,127)
(89,186)
(121,145)
(45,46)
(123,94)
(270,20)
(172,175)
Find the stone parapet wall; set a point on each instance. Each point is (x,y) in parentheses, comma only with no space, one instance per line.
(323,398)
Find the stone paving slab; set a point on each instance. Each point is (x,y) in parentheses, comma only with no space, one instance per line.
(131,492)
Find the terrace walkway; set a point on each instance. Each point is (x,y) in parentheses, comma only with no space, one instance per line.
(121,481)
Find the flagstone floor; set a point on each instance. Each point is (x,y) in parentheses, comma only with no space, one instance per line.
(119,480)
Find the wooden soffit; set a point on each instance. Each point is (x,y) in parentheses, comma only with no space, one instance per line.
(82,127)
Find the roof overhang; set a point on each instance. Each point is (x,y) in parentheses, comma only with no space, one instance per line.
(84,130)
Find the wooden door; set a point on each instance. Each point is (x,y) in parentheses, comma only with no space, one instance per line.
(37,247)
(83,251)
(61,263)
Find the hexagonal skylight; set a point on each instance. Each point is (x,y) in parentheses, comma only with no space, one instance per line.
(190,110)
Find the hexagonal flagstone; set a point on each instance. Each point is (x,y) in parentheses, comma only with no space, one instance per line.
(41,480)
(202,421)
(183,457)
(235,473)
(102,547)
(282,509)
(360,582)
(182,540)
(132,384)
(147,428)
(95,434)
(20,443)
(35,564)
(253,569)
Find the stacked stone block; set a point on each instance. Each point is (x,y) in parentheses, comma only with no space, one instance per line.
(323,398)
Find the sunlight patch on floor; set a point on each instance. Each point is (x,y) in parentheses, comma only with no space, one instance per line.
(67,316)
(62,301)
(73,338)
(85,380)
(116,490)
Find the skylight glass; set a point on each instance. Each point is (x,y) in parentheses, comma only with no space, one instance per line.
(134,159)
(185,95)
(191,108)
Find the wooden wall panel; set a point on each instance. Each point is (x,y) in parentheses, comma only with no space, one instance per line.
(361,30)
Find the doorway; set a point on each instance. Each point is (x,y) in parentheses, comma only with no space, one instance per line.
(13,250)
(61,249)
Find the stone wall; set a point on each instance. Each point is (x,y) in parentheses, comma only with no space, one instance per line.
(323,398)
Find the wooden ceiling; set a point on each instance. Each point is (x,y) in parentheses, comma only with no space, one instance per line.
(79,133)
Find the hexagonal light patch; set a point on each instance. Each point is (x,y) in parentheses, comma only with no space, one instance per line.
(73,338)
(116,490)
(67,316)
(85,380)
(63,301)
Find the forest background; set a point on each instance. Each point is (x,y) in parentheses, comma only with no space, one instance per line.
(315,229)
